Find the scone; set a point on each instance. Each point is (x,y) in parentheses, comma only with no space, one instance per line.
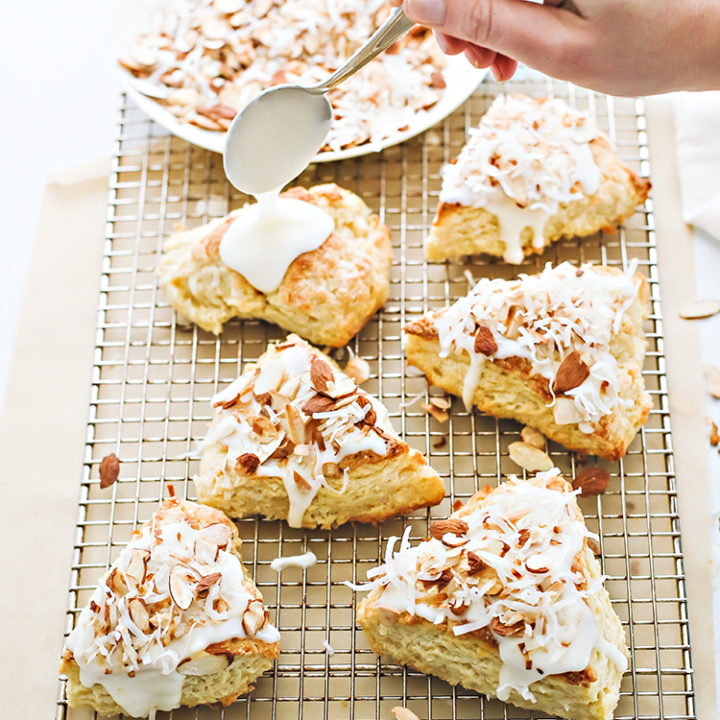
(326,296)
(561,351)
(505,598)
(175,621)
(295,438)
(532,172)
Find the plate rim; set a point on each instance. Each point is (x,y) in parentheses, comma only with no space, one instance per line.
(462,80)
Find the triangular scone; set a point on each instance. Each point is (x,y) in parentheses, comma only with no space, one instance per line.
(295,438)
(326,296)
(532,172)
(175,621)
(506,598)
(561,351)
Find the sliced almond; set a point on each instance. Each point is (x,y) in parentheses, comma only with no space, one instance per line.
(182,587)
(565,412)
(254,618)
(441,402)
(342,385)
(205,551)
(143,56)
(441,416)
(139,614)
(485,343)
(533,437)
(573,372)
(137,565)
(538,564)
(402,713)
(591,481)
(475,563)
(217,533)
(504,630)
(698,309)
(712,373)
(204,664)
(318,403)
(207,581)
(358,369)
(320,374)
(529,457)
(296,424)
(248,463)
(109,470)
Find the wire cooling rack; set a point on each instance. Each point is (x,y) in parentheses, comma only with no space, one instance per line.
(153,379)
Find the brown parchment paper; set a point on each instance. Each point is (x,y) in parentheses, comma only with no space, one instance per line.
(42,428)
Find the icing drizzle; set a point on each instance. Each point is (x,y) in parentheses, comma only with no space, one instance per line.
(525,158)
(172,592)
(295,416)
(543,319)
(509,566)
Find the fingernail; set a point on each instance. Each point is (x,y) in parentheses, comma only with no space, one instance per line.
(427,12)
(496,73)
(441,41)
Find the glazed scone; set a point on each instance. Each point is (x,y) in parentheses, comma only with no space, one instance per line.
(294,438)
(175,621)
(532,172)
(505,598)
(561,351)
(326,296)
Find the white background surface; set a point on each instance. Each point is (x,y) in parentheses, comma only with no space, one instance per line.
(60,95)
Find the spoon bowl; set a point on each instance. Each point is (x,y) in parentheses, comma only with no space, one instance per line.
(275,137)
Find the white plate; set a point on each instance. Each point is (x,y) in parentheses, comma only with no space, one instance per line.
(461,78)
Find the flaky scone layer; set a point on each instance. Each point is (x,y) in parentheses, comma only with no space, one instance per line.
(295,438)
(475,228)
(472,659)
(510,387)
(326,296)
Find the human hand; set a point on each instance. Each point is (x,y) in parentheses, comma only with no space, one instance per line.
(622,47)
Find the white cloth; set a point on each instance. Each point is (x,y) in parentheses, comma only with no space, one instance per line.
(697,124)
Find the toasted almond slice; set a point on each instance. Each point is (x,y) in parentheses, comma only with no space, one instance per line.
(592,481)
(565,412)
(109,470)
(538,564)
(137,565)
(341,386)
(320,374)
(442,402)
(441,416)
(358,369)
(204,664)
(143,56)
(217,533)
(712,373)
(698,309)
(529,457)
(402,713)
(573,372)
(254,618)
(139,614)
(295,424)
(533,437)
(455,526)
(182,587)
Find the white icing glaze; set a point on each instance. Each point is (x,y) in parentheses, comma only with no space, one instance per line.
(139,666)
(265,238)
(528,536)
(304,561)
(524,159)
(556,312)
(354,422)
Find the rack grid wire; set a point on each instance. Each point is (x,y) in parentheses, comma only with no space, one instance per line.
(150,404)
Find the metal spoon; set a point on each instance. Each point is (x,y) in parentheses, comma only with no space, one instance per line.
(277,134)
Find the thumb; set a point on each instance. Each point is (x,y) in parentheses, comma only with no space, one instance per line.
(541,36)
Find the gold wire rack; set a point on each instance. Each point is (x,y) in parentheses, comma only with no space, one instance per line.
(153,379)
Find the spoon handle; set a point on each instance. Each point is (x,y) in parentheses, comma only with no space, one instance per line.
(397,24)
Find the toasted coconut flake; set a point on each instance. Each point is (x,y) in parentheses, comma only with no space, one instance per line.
(699,309)
(529,457)
(358,369)
(296,424)
(714,436)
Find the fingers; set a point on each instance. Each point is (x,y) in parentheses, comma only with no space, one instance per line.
(450,45)
(503,68)
(480,57)
(539,35)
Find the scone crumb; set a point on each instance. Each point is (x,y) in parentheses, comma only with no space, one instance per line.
(714,436)
(358,369)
